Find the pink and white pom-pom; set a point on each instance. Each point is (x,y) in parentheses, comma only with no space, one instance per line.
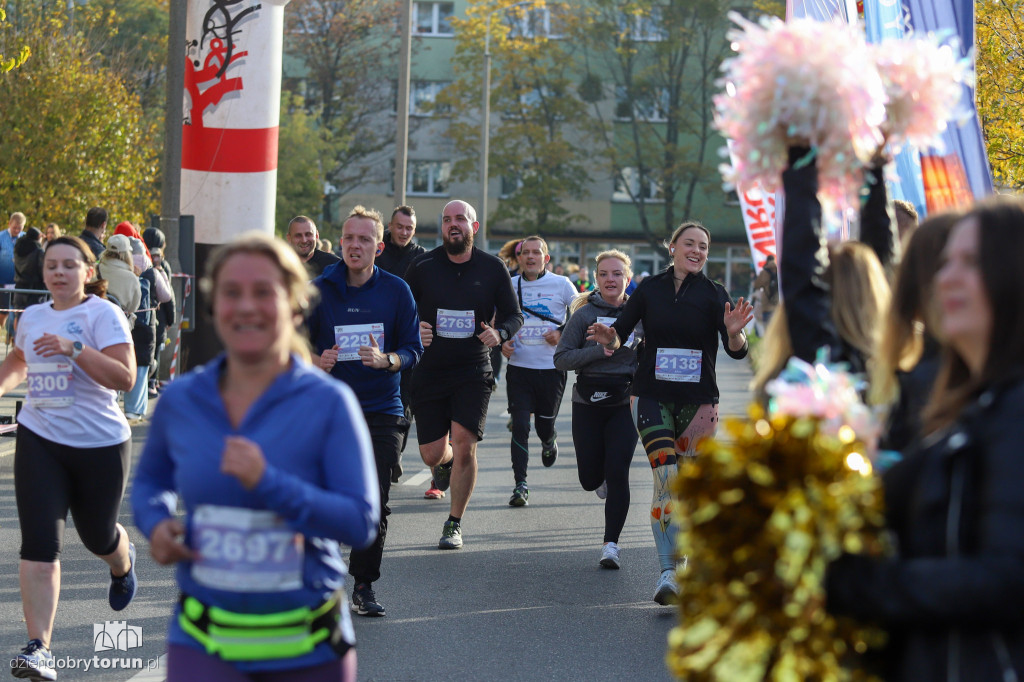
(924,81)
(804,83)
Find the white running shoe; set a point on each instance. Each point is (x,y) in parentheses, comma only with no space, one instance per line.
(610,555)
(666,592)
(602,490)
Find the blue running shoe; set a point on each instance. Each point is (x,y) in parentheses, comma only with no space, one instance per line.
(122,590)
(35,662)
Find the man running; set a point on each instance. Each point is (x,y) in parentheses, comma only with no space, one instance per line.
(365,330)
(457,288)
(534,385)
(399,252)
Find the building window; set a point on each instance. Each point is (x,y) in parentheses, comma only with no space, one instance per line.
(423,98)
(433,18)
(544,22)
(428,178)
(651,104)
(627,186)
(642,27)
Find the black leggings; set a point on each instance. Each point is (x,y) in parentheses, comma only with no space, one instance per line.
(605,439)
(50,479)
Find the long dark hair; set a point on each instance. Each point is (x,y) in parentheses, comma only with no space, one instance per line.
(1001,261)
(97,287)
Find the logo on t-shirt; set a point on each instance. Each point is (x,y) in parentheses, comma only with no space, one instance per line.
(74,328)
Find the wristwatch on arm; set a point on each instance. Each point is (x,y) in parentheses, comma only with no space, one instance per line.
(76,350)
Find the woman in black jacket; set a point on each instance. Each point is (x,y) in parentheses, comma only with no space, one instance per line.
(952,598)
(28,268)
(832,296)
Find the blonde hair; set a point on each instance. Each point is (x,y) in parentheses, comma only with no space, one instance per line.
(909,320)
(582,298)
(360,211)
(293,274)
(859,298)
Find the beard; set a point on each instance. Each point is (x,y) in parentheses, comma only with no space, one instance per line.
(458,248)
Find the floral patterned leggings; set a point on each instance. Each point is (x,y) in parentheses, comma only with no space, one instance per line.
(669,431)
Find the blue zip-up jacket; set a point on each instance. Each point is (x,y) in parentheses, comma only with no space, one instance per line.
(320,479)
(384,299)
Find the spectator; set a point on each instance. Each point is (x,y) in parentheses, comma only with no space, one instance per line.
(28,270)
(52,232)
(582,280)
(95,230)
(116,267)
(7,239)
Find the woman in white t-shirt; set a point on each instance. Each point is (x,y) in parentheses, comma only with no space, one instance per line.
(73,444)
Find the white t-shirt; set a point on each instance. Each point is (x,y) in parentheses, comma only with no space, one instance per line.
(64,404)
(550,295)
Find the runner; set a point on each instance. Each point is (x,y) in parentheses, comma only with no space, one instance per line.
(457,289)
(684,314)
(74,446)
(365,331)
(272,462)
(533,383)
(602,424)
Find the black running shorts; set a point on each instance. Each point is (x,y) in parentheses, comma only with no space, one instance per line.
(534,390)
(437,404)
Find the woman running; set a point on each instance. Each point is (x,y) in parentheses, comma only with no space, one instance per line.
(602,425)
(74,446)
(274,470)
(684,314)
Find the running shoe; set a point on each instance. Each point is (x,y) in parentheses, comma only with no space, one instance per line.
(602,490)
(122,590)
(520,495)
(364,601)
(610,555)
(549,453)
(451,536)
(35,662)
(442,475)
(433,493)
(666,592)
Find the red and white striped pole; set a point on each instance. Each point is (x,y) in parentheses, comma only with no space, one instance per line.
(230,129)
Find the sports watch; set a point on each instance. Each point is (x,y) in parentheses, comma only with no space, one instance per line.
(503,333)
(76,350)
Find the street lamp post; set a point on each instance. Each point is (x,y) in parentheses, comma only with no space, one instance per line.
(485,132)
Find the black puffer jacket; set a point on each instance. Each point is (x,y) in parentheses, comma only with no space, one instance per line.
(804,259)
(28,270)
(953,599)
(397,259)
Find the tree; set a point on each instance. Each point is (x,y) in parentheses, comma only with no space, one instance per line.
(23,53)
(659,60)
(1000,65)
(299,183)
(533,147)
(348,53)
(73,135)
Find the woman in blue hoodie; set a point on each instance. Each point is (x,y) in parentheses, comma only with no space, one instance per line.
(273,465)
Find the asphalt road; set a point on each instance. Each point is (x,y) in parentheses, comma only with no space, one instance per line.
(524,599)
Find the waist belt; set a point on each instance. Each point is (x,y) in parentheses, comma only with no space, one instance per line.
(257,637)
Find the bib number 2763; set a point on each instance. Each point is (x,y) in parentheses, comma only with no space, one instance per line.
(455,324)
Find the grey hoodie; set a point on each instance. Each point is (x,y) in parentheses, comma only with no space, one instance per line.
(587,357)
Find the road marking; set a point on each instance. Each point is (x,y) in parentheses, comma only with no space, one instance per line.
(417,479)
(157,674)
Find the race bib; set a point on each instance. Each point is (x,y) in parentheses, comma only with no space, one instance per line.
(245,550)
(456,324)
(49,384)
(532,333)
(677,364)
(349,337)
(609,321)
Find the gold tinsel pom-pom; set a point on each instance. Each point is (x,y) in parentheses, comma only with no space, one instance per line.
(764,508)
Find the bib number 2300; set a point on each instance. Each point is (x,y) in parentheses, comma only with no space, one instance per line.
(677,364)
(49,384)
